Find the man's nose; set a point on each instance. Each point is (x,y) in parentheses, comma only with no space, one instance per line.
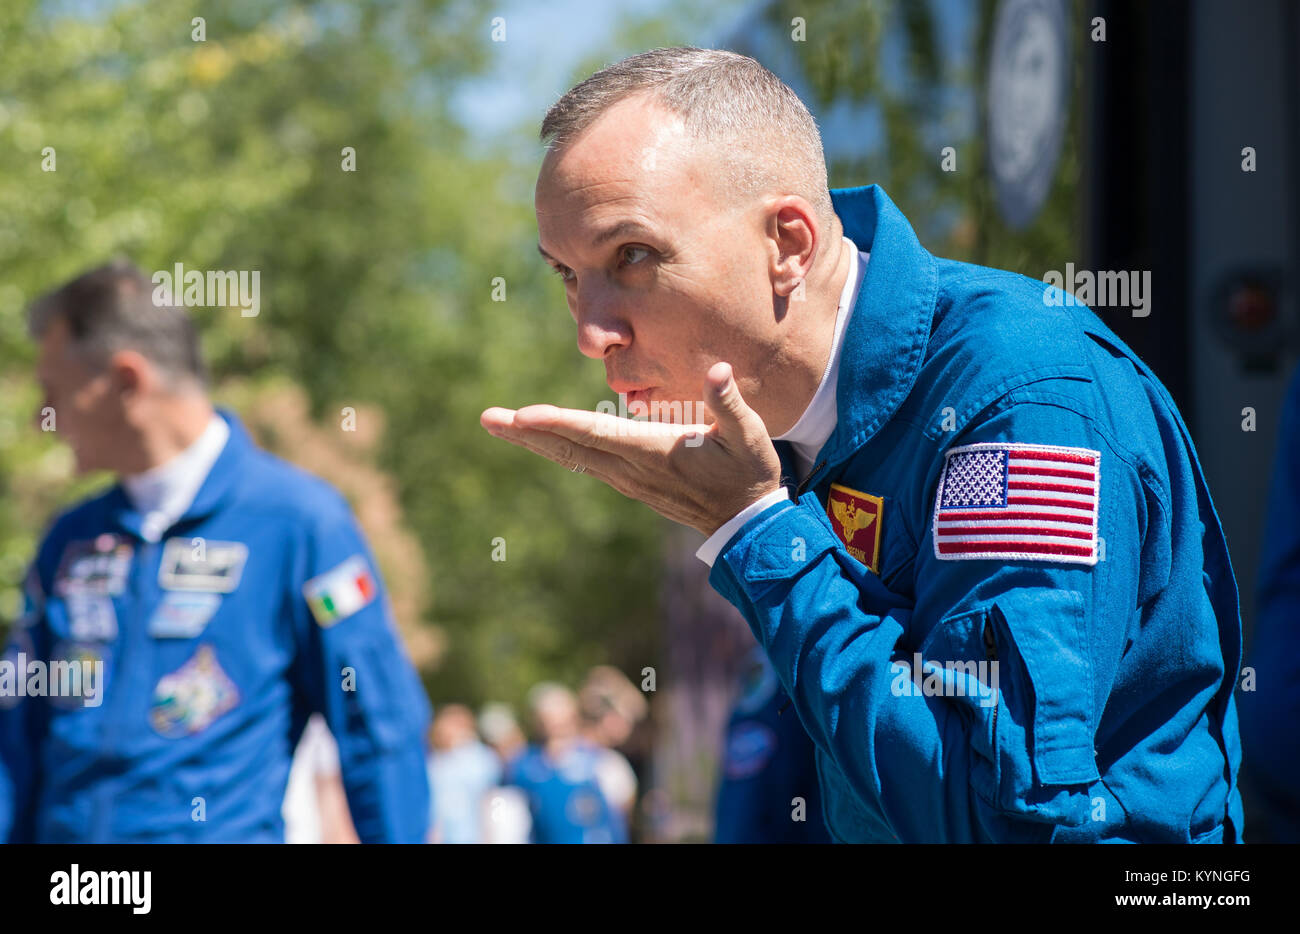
(601,327)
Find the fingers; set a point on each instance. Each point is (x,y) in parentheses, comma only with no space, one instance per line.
(724,400)
(601,431)
(497,417)
(607,468)
(553,447)
(588,429)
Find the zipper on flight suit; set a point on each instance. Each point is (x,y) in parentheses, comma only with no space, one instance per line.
(803,484)
(131,632)
(991,654)
(799,490)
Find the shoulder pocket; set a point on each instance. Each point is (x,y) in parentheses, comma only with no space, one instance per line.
(1048,629)
(1030,713)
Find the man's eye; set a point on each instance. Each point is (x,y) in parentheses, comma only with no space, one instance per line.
(564,272)
(627,251)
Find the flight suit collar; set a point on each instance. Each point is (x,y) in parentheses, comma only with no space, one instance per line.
(886,339)
(219,482)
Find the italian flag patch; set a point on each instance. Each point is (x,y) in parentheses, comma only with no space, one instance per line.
(338,593)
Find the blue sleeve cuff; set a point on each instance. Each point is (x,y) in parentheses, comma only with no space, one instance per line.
(709,551)
(778,544)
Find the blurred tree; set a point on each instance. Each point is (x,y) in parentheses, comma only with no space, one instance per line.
(909,81)
(377,290)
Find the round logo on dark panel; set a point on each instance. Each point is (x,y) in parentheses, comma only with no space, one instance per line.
(1029,77)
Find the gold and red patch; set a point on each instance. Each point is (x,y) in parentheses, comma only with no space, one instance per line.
(856,519)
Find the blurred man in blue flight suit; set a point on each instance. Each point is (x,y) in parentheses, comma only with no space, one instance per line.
(768,792)
(966,523)
(1270,712)
(565,776)
(221,594)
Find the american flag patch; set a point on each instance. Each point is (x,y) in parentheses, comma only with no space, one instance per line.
(1025,501)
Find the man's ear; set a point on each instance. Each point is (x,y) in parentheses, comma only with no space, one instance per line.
(133,374)
(793,238)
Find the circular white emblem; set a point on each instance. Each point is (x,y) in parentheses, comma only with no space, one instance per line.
(1029,72)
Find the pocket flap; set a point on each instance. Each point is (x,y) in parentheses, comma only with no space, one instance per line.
(1048,627)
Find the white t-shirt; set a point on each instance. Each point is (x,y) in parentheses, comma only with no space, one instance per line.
(616,779)
(508,819)
(317,755)
(163,493)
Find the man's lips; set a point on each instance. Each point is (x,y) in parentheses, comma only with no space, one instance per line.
(635,392)
(640,395)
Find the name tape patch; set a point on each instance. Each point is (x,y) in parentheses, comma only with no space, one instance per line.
(203,565)
(183,615)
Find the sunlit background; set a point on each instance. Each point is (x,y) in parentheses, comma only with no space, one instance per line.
(380,286)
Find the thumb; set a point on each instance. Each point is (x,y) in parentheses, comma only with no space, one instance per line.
(724,399)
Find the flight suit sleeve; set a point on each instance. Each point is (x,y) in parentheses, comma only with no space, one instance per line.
(22,719)
(353,669)
(951,752)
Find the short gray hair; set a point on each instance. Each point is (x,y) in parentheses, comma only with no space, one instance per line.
(111,308)
(761,128)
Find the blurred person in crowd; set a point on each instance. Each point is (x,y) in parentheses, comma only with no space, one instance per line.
(769,791)
(315,806)
(215,595)
(611,707)
(1273,695)
(462,770)
(506,818)
(501,731)
(561,776)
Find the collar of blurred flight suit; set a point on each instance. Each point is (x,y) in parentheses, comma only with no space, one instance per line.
(887,334)
(219,482)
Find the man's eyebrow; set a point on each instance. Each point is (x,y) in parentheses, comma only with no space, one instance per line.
(620,229)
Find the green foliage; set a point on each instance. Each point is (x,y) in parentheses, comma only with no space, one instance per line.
(376,287)
(886,58)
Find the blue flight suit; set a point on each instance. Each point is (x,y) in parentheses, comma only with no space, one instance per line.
(768,762)
(564,796)
(213,658)
(1270,712)
(1112,717)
